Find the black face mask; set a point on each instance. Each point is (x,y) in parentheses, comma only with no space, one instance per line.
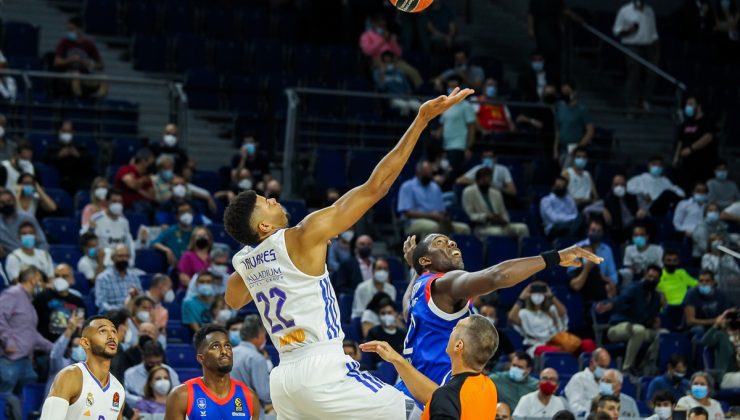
(364,252)
(7,209)
(670,268)
(425,180)
(560,192)
(484,187)
(202,243)
(649,286)
(549,99)
(121,265)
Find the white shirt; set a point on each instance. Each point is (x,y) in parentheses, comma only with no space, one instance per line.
(628,407)
(581,390)
(370,317)
(640,260)
(501,175)
(13,174)
(111,232)
(734,209)
(714,409)
(646,34)
(652,186)
(541,82)
(531,406)
(88,267)
(96,402)
(364,294)
(18,260)
(538,326)
(689,214)
(579,185)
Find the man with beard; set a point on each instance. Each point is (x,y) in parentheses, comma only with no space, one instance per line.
(87,389)
(215,395)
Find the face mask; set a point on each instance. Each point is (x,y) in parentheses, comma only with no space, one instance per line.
(595,237)
(245,184)
(116,209)
(491,91)
(560,192)
(28,190)
(65,138)
(92,252)
(100,193)
(381,276)
(670,268)
(379,30)
(649,286)
(689,111)
(516,374)
(205,290)
(347,235)
(60,285)
(488,162)
(169,296)
(234,338)
(250,148)
(179,191)
(127,339)
(202,242)
(444,164)
(700,198)
(389,67)
(28,241)
(364,252)
(639,241)
(537,298)
(663,413)
(121,265)
(712,217)
(656,171)
(72,36)
(7,209)
(678,375)
(224,315)
(606,389)
(78,354)
(705,290)
(699,391)
(162,386)
(538,66)
(169,140)
(580,162)
(388,320)
(186,219)
(219,269)
(143,316)
(25,165)
(491,320)
(598,372)
(2,132)
(166,174)
(720,175)
(547,388)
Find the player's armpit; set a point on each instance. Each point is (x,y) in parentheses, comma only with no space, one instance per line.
(177,403)
(237,294)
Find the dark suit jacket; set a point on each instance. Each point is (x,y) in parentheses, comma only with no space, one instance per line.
(611,203)
(348,276)
(527,86)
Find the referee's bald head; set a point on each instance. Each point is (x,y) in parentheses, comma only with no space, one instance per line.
(475,340)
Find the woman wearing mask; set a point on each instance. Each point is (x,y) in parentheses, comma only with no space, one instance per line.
(31,195)
(67,349)
(371,316)
(339,251)
(156,390)
(196,258)
(220,312)
(707,227)
(701,389)
(723,266)
(98,203)
(142,312)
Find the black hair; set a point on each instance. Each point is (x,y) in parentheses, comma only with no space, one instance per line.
(76,21)
(183,204)
(152,349)
(200,336)
(675,359)
(87,237)
(580,149)
(118,317)
(482,172)
(375,263)
(655,158)
(142,155)
(138,300)
(26,224)
(90,320)
(23,146)
(697,411)
(671,251)
(708,273)
(238,216)
(112,192)
(378,301)
(654,267)
(535,52)
(455,78)
(720,162)
(562,178)
(568,83)
(524,356)
(664,395)
(604,398)
(233,321)
(388,53)
(421,250)
(563,415)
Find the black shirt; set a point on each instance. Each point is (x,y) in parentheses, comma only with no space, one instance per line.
(54,311)
(395,340)
(694,129)
(594,289)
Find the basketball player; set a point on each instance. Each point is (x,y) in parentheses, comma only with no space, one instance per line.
(87,390)
(216,395)
(286,276)
(441,295)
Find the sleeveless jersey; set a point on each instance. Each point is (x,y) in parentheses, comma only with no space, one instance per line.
(95,401)
(429,330)
(297,309)
(203,405)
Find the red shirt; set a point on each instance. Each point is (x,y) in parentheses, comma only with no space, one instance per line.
(130,196)
(83,47)
(494,117)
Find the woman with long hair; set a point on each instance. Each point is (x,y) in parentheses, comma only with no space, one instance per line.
(197,257)
(98,200)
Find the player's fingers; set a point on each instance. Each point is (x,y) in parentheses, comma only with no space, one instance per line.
(573,263)
(589,256)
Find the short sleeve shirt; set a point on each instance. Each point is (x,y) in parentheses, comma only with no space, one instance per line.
(455,123)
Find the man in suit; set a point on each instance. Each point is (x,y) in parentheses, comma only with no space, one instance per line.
(485,208)
(357,268)
(621,210)
(532,81)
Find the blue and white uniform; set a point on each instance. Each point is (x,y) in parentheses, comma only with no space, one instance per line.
(315,379)
(203,405)
(97,402)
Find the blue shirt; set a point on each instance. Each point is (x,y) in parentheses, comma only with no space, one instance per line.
(554,209)
(663,383)
(394,81)
(608,267)
(204,405)
(571,122)
(195,311)
(706,307)
(629,300)
(455,123)
(112,289)
(175,239)
(413,195)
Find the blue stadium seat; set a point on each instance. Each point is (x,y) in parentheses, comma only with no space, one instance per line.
(534,245)
(176,332)
(65,206)
(136,220)
(178,16)
(274,355)
(564,363)
(345,307)
(396,270)
(209,180)
(362,163)
(252,23)
(472,251)
(516,340)
(150,261)
(90,307)
(40,143)
(142,17)
(219,23)
(146,280)
(229,57)
(61,230)
(147,52)
(330,169)
(673,343)
(574,304)
(644,409)
(123,150)
(517,172)
(181,355)
(296,209)
(354,332)
(500,248)
(21,39)
(267,56)
(190,52)
(386,373)
(48,176)
(3,403)
(628,387)
(32,397)
(220,235)
(82,284)
(186,374)
(69,254)
(25,63)
(101,17)
(202,87)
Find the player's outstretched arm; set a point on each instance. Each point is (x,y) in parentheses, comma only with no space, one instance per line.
(237,294)
(177,403)
(462,285)
(65,390)
(329,222)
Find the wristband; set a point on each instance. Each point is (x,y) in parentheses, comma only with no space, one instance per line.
(552,259)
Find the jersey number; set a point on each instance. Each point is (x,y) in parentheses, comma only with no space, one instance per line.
(281,323)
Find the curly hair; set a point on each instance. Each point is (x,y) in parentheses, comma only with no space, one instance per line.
(237,217)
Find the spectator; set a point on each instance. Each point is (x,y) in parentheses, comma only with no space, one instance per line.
(673,381)
(111,226)
(66,349)
(18,164)
(196,310)
(635,26)
(501,180)
(702,386)
(91,262)
(675,281)
(663,404)
(731,213)
(115,284)
(622,210)
(71,160)
(19,334)
(358,269)
(160,291)
(690,211)
(136,377)
(611,384)
(64,271)
(371,315)
(8,87)
(352,350)
(722,190)
(583,386)
(391,80)
(30,195)
(544,25)
(723,266)
(174,240)
(640,254)
(98,200)
(609,405)
(169,145)
(464,73)
(273,189)
(234,325)
(197,257)
(441,26)
(7,145)
(220,268)
(10,222)
(709,225)
(485,207)
(142,314)
(457,129)
(559,212)
(250,366)
(28,255)
(697,20)
(183,192)
(697,150)
(388,331)
(377,39)
(420,203)
(503,411)
(720,338)
(636,327)
(532,82)
(590,283)
(339,250)
(517,381)
(162,179)
(608,267)
(563,415)
(55,307)
(704,304)
(379,282)
(654,190)
(542,403)
(77,54)
(697,413)
(135,184)
(157,388)
(580,184)
(573,122)
(253,158)
(125,358)
(726,18)
(493,116)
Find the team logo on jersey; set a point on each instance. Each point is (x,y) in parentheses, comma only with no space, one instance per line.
(295,336)
(116,400)
(89,401)
(238,404)
(201,403)
(87,413)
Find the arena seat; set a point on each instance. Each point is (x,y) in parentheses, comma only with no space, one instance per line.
(274,354)
(500,248)
(150,261)
(61,230)
(181,355)
(330,169)
(177,332)
(185,374)
(296,209)
(147,52)
(21,39)
(472,251)
(563,363)
(386,373)
(672,343)
(345,307)
(69,254)
(32,397)
(101,17)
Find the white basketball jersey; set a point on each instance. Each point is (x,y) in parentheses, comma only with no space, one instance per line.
(96,402)
(297,309)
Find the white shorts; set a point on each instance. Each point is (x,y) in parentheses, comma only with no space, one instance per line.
(325,384)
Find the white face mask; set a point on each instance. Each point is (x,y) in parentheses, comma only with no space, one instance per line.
(179,191)
(537,298)
(664,413)
(169,140)
(186,219)
(387,320)
(61,285)
(65,138)
(116,209)
(128,336)
(619,191)
(101,193)
(347,235)
(143,316)
(169,296)
(219,269)
(224,315)
(25,165)
(245,184)
(381,276)
(162,386)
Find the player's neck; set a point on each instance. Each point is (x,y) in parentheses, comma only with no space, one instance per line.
(219,383)
(100,369)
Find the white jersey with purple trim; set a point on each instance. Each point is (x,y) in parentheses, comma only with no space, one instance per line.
(297,309)
(97,402)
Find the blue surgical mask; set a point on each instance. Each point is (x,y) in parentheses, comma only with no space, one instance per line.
(639,241)
(699,391)
(92,252)
(72,36)
(720,175)
(580,162)
(705,290)
(516,374)
(28,190)
(250,148)
(598,372)
(656,170)
(689,111)
(712,217)
(538,66)
(78,354)
(166,174)
(28,241)
(491,91)
(700,198)
(488,162)
(606,389)
(205,290)
(234,338)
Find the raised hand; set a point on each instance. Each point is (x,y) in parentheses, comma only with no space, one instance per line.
(434,107)
(572,256)
(383,349)
(408,250)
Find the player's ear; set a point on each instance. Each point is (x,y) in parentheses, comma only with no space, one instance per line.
(264,227)
(84,343)
(199,358)
(459,346)
(425,261)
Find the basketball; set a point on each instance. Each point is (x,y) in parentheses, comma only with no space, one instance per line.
(411,6)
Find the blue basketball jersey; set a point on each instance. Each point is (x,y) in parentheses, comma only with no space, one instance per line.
(429,330)
(203,405)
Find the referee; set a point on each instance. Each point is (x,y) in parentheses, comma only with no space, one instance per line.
(468,393)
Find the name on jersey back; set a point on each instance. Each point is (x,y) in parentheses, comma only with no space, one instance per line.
(267,274)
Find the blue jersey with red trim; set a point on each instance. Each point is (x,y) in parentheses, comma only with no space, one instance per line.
(429,330)
(203,405)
